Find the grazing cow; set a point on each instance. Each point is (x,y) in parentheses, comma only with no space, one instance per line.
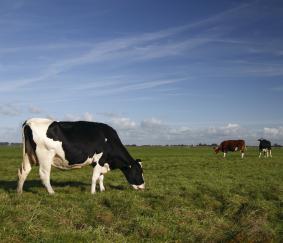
(69,145)
(231,145)
(265,147)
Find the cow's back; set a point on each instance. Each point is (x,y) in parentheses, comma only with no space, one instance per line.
(232,145)
(80,140)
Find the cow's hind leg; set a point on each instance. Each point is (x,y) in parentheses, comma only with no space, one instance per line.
(45,159)
(101,186)
(23,172)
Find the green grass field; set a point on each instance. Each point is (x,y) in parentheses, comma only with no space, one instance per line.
(192,195)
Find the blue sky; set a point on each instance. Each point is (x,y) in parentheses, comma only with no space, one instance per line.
(160,72)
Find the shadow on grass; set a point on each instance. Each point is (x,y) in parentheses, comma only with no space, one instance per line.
(10,186)
(118,187)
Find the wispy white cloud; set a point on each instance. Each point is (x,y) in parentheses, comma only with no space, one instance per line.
(140,47)
(277,89)
(9,110)
(141,86)
(34,109)
(87,116)
(158,132)
(273,132)
(45,47)
(10,134)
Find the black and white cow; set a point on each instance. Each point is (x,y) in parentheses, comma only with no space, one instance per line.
(69,145)
(265,147)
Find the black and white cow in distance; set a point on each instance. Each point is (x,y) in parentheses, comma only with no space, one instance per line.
(265,147)
(68,145)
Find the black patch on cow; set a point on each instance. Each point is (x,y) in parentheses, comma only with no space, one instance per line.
(264,144)
(81,140)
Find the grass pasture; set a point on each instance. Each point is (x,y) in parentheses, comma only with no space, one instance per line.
(192,195)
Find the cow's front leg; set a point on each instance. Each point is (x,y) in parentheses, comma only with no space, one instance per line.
(101,186)
(95,176)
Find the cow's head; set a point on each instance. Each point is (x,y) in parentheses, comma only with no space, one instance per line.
(216,149)
(134,174)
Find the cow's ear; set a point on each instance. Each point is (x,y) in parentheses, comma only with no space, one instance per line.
(139,161)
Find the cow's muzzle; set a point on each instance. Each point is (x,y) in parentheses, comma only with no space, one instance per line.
(140,187)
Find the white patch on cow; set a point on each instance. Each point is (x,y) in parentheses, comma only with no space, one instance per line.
(224,155)
(243,155)
(266,153)
(140,164)
(45,158)
(63,164)
(236,149)
(106,140)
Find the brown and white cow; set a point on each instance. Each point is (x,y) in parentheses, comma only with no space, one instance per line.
(231,145)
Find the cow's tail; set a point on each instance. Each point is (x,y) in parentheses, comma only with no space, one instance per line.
(29,156)
(23,138)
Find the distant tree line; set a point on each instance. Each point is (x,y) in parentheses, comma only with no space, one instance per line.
(187,145)
(9,144)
